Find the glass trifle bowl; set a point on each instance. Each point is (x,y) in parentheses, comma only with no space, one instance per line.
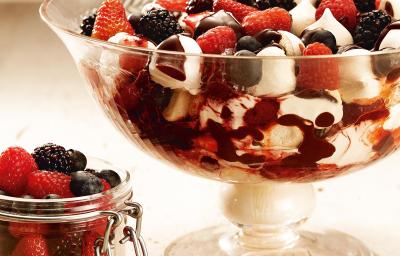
(253,123)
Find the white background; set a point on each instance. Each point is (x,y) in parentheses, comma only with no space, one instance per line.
(43,99)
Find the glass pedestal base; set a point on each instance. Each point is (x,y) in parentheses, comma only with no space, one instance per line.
(222,241)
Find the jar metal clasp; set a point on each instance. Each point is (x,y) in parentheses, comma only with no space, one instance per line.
(133,210)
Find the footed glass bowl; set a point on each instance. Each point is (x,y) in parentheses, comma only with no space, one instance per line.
(255,123)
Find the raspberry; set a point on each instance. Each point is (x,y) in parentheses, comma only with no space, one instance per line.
(111,19)
(88,24)
(217,40)
(53,157)
(317,49)
(238,10)
(344,11)
(33,245)
(173,5)
(15,166)
(318,73)
(42,183)
(370,26)
(275,18)
(105,185)
(158,25)
(197,6)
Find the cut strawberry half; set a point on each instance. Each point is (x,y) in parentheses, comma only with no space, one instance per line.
(110,20)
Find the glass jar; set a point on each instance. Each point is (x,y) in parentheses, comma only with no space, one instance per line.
(103,224)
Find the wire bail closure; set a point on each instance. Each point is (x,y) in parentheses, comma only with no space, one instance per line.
(133,210)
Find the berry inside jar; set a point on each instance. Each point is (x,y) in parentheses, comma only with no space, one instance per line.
(252,90)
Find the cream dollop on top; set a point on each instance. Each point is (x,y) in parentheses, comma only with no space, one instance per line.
(303,15)
(328,22)
(391,40)
(291,43)
(278,75)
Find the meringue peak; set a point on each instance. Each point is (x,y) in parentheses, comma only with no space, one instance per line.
(329,22)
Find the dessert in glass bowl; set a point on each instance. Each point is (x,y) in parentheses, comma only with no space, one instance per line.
(58,202)
(266,96)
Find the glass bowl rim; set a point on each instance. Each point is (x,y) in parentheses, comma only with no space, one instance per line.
(45,17)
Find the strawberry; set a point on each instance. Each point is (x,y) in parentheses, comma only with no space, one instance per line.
(68,244)
(111,19)
(274,18)
(318,73)
(345,11)
(238,10)
(33,245)
(18,230)
(88,244)
(105,185)
(193,19)
(42,183)
(217,40)
(173,5)
(15,166)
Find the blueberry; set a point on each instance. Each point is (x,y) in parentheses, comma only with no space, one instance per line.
(110,176)
(248,43)
(52,196)
(134,18)
(321,36)
(79,160)
(84,184)
(244,72)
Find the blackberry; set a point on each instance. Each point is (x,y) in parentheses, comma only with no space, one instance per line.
(369,27)
(196,6)
(88,24)
(365,5)
(158,25)
(285,4)
(53,157)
